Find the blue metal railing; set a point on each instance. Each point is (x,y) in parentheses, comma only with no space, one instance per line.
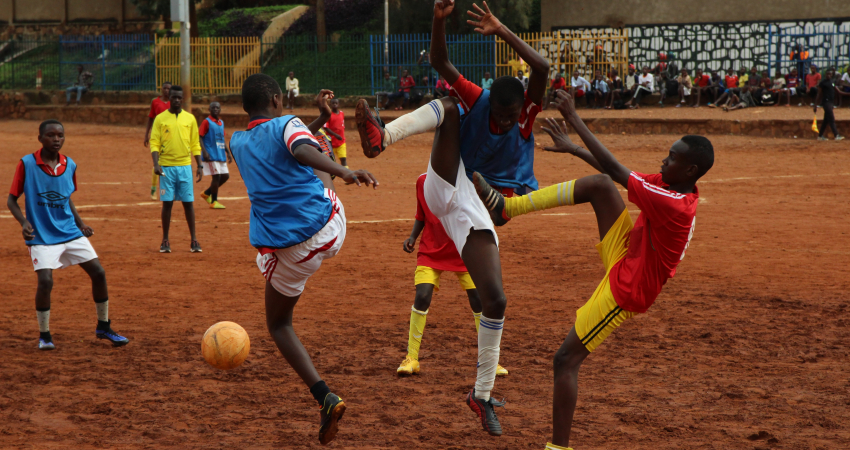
(827,44)
(117,62)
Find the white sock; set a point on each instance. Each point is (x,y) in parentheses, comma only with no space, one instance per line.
(489,338)
(102,311)
(425,118)
(43,321)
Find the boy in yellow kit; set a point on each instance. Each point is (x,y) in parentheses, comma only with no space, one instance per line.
(437,253)
(174,142)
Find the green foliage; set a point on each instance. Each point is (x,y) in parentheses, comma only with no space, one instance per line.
(247,21)
(415,16)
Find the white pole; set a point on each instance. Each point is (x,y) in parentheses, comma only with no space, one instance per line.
(386,32)
(185,67)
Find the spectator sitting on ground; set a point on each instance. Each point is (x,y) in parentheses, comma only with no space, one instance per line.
(812,81)
(579,86)
(387,88)
(743,78)
(842,87)
(778,88)
(792,85)
(558,84)
(646,83)
(763,95)
(661,67)
(442,88)
(715,87)
(730,82)
(523,79)
(598,93)
(744,101)
(291,90)
(699,84)
(684,87)
(487,81)
(406,83)
(618,90)
(84,81)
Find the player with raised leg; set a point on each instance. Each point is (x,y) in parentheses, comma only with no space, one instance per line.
(55,234)
(437,254)
(495,133)
(296,222)
(639,258)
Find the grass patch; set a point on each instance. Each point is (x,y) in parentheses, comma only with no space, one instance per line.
(239,22)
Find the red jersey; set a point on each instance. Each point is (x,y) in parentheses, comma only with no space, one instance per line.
(657,243)
(17,188)
(731,82)
(407,83)
(158,106)
(792,81)
(336,124)
(204,127)
(559,84)
(812,80)
(436,250)
(702,81)
(468,93)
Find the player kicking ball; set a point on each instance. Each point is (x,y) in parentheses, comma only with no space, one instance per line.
(296,222)
(215,153)
(437,253)
(53,231)
(492,137)
(638,257)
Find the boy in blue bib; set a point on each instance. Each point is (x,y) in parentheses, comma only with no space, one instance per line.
(216,154)
(53,231)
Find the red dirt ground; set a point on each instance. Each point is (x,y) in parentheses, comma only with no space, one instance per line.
(746,348)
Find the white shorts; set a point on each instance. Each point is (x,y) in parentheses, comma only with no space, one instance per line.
(458,207)
(686,91)
(60,256)
(215,168)
(288,269)
(793,91)
(294,92)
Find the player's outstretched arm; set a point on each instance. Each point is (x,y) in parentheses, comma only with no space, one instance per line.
(87,231)
(15,209)
(487,24)
(410,242)
(307,155)
(324,110)
(563,144)
(607,162)
(439,52)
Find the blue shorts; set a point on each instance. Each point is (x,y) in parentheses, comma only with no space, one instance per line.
(175,184)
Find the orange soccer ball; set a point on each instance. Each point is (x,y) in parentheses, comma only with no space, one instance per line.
(225,345)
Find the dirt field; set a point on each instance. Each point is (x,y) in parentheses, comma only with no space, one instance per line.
(746,348)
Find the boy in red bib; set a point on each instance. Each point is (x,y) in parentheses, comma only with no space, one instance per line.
(638,257)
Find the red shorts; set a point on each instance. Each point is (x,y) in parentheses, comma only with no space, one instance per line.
(579,93)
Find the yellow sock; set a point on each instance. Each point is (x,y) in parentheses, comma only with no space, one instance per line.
(560,194)
(551,446)
(417,329)
(477,317)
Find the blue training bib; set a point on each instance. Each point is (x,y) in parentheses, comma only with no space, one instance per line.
(47,201)
(214,141)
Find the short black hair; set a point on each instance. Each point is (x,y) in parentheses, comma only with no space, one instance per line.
(258,91)
(507,91)
(166,82)
(700,152)
(176,88)
(46,123)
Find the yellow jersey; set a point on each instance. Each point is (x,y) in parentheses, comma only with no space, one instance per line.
(175,138)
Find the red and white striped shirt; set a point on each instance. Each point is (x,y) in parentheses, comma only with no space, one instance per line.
(657,243)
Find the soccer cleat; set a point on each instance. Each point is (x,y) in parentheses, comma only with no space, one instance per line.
(408,367)
(105,331)
(331,413)
(153,192)
(501,371)
(493,200)
(486,412)
(216,205)
(165,247)
(196,247)
(822,138)
(207,197)
(371,129)
(45,341)
(839,138)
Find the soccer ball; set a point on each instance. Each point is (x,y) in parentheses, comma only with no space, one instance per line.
(225,345)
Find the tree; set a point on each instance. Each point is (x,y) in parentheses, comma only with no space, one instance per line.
(162,8)
(414,16)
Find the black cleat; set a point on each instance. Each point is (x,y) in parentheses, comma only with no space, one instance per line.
(45,341)
(196,247)
(165,247)
(493,200)
(105,331)
(331,413)
(486,412)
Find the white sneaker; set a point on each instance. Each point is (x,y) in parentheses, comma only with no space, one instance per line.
(839,138)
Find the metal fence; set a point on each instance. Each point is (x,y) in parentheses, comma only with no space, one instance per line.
(218,65)
(341,65)
(567,51)
(828,44)
(20,61)
(117,62)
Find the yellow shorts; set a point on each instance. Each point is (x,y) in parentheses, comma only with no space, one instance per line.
(425,274)
(340,152)
(601,314)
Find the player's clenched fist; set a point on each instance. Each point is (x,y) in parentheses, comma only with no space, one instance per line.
(27,231)
(565,104)
(442,8)
(409,244)
(360,176)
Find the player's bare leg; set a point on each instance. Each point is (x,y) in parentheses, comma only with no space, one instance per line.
(189,211)
(42,308)
(481,257)
(100,294)
(166,226)
(279,310)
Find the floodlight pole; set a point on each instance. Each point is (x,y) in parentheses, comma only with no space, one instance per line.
(386,32)
(185,60)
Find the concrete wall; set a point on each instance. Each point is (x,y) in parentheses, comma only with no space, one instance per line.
(79,10)
(39,11)
(556,14)
(6,10)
